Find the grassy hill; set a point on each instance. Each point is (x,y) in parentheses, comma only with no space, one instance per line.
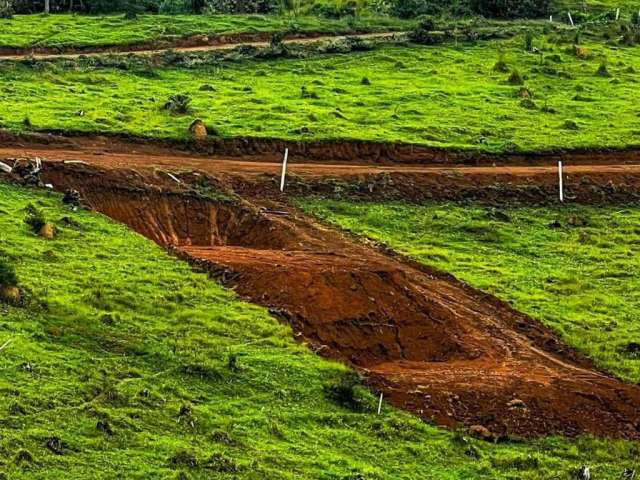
(492,95)
(123,363)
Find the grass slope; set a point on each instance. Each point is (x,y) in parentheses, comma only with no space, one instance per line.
(86,31)
(194,383)
(446,96)
(581,280)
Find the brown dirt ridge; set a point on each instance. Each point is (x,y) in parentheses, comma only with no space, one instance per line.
(430,343)
(193,43)
(327,152)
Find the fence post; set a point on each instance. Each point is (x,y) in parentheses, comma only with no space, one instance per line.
(284,169)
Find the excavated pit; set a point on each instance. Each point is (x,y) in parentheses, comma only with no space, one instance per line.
(433,345)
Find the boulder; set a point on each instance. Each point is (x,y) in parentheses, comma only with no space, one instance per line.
(198,130)
(47,231)
(10,294)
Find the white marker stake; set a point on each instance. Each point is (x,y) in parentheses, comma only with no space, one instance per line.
(560,181)
(284,169)
(551,18)
(380,405)
(570,19)
(617,14)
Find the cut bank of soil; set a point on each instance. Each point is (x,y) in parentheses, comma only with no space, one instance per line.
(433,345)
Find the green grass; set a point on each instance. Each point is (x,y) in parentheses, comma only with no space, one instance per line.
(88,31)
(445,96)
(117,331)
(579,280)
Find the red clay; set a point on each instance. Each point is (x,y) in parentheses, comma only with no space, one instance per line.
(433,345)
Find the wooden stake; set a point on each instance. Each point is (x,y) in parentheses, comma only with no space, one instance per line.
(380,404)
(560,185)
(284,169)
(571,19)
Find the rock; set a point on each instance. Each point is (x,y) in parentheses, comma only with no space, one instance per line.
(10,294)
(72,197)
(198,130)
(516,403)
(47,231)
(483,433)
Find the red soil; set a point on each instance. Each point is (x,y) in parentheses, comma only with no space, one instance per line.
(433,345)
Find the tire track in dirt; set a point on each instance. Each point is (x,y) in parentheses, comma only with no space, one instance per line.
(433,345)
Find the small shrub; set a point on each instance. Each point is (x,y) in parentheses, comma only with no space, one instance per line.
(219,463)
(501,65)
(602,70)
(528,42)
(8,277)
(515,78)
(570,125)
(6,8)
(528,104)
(344,392)
(365,81)
(178,104)
(35,219)
(425,33)
(183,458)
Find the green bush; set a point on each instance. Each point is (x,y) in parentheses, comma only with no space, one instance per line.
(35,219)
(6,8)
(178,104)
(8,277)
(512,8)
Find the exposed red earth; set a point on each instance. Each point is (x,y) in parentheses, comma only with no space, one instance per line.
(430,343)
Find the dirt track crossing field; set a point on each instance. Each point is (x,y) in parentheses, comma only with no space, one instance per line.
(198,43)
(432,345)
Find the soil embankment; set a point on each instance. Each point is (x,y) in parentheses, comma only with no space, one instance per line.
(433,345)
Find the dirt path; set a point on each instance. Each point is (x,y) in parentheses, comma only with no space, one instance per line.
(258,175)
(199,43)
(431,344)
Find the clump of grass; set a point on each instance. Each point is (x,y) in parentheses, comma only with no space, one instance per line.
(515,78)
(570,125)
(603,71)
(344,391)
(501,65)
(528,104)
(178,104)
(35,218)
(8,276)
(365,81)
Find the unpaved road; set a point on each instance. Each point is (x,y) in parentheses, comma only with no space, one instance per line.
(255,166)
(228,42)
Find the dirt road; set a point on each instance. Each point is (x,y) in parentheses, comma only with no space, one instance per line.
(198,43)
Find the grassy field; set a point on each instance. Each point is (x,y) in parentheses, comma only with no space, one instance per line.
(86,31)
(578,277)
(447,96)
(125,364)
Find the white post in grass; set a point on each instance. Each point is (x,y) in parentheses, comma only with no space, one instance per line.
(560,184)
(570,19)
(284,169)
(380,404)
(551,18)
(617,14)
